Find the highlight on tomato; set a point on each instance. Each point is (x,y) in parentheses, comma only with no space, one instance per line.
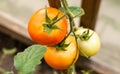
(45,26)
(88,41)
(62,56)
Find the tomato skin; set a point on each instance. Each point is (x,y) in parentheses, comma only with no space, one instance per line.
(35,27)
(62,59)
(91,46)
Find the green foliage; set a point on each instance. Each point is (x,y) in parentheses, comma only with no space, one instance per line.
(76,11)
(26,61)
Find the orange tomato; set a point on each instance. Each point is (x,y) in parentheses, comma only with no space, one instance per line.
(62,59)
(36,28)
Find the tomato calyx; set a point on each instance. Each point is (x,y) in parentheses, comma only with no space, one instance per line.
(49,24)
(62,46)
(85,35)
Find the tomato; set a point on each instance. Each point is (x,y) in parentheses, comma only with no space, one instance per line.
(37,31)
(62,59)
(89,43)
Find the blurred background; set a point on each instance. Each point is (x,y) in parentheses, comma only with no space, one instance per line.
(107,24)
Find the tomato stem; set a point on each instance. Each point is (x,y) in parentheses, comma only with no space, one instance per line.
(70,70)
(65,5)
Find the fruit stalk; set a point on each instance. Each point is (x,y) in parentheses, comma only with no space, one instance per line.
(71,69)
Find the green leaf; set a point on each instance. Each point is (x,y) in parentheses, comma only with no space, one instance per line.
(26,61)
(76,11)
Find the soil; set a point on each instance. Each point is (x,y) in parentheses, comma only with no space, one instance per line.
(7,63)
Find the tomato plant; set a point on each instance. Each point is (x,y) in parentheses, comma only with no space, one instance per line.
(88,41)
(62,58)
(48,27)
(44,30)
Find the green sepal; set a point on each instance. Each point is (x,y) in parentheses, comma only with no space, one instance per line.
(85,35)
(48,28)
(62,46)
(55,18)
(49,24)
(47,17)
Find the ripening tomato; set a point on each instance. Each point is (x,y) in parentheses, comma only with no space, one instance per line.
(88,41)
(42,31)
(62,59)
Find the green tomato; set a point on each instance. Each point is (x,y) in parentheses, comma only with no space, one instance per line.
(88,41)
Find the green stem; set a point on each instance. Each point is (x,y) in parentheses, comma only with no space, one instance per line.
(70,70)
(65,5)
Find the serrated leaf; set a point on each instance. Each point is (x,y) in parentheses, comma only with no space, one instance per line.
(26,61)
(76,11)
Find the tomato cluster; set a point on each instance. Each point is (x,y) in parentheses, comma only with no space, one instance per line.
(46,28)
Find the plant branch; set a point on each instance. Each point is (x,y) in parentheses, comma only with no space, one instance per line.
(65,5)
(70,70)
